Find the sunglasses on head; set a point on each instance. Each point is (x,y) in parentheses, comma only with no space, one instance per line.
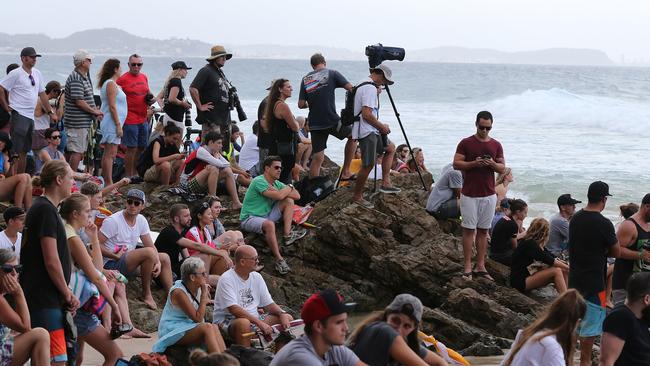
(31,78)
(8,268)
(486,128)
(135,203)
(138,64)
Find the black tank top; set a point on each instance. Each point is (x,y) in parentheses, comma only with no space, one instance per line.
(279,127)
(623,268)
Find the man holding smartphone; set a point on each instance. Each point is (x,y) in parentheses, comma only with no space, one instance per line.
(478,157)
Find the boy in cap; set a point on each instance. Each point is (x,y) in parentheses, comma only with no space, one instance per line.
(325,316)
(11,237)
(591,240)
(558,239)
(119,236)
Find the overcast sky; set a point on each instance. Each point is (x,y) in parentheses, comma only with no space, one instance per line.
(616,27)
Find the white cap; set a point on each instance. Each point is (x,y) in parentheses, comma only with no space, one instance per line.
(388,74)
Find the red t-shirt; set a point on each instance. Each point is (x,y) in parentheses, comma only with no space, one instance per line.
(136,88)
(479,182)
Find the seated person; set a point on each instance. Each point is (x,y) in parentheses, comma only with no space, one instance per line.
(268,201)
(18,186)
(98,214)
(558,240)
(217,261)
(205,167)
(183,318)
(49,152)
(18,341)
(392,336)
(410,166)
(119,236)
(228,240)
(443,202)
(249,156)
(502,211)
(507,231)
(199,357)
(75,210)
(325,316)
(240,292)
(531,248)
(236,134)
(231,153)
(161,161)
(304,145)
(401,154)
(11,237)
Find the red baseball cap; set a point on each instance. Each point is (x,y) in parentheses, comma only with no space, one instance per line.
(322,305)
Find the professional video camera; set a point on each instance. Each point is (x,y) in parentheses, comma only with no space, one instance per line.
(234,103)
(378,54)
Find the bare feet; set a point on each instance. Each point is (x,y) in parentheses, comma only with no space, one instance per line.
(236,206)
(137,333)
(150,302)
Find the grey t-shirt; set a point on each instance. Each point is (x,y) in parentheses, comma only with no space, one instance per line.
(301,352)
(317,88)
(558,238)
(373,345)
(443,189)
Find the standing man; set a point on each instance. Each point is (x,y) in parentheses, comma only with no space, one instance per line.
(24,85)
(46,259)
(478,157)
(135,85)
(210,92)
(80,109)
(372,134)
(626,338)
(558,238)
(633,235)
(591,240)
(317,93)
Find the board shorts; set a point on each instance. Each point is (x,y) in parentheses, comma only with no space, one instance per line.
(319,137)
(52,320)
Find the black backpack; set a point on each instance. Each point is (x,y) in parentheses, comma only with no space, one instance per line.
(347,113)
(314,189)
(250,356)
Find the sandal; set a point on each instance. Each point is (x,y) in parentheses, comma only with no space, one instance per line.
(483,274)
(350,178)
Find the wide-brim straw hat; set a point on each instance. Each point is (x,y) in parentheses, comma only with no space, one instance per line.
(218,51)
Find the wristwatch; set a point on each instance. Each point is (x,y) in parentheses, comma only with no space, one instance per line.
(291,185)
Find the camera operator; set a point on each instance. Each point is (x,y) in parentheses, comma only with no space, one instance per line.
(213,95)
(372,134)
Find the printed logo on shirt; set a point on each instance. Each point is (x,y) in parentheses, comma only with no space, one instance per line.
(316,80)
(245,297)
(642,265)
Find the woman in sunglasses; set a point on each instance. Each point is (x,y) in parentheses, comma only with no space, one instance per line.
(51,151)
(391,337)
(42,120)
(412,165)
(31,343)
(216,260)
(183,318)
(18,186)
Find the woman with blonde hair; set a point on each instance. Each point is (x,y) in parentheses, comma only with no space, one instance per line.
(551,339)
(172,96)
(530,249)
(502,182)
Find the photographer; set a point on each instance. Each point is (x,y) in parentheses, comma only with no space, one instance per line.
(213,95)
(372,134)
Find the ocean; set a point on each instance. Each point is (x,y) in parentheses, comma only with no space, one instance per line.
(561,127)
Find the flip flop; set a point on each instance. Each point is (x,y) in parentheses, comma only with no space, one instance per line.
(483,274)
(351,177)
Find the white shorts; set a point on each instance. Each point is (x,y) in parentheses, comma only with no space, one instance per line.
(477,212)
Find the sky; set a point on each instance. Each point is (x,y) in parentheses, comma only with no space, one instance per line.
(619,28)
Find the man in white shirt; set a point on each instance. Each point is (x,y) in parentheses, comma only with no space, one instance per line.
(119,236)
(24,85)
(11,237)
(372,134)
(240,292)
(249,156)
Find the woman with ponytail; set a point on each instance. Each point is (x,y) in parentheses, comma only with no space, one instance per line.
(551,339)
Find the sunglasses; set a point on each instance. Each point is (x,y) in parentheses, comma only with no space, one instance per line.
(486,128)
(8,268)
(55,137)
(135,203)
(138,65)
(31,78)
(277,167)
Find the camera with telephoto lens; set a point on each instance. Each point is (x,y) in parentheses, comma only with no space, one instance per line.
(379,53)
(234,103)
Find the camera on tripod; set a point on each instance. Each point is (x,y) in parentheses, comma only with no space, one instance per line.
(234,103)
(378,54)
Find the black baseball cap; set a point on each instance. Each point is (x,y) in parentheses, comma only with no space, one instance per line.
(29,51)
(180,65)
(598,189)
(566,199)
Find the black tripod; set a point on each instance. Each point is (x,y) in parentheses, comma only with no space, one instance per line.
(417,167)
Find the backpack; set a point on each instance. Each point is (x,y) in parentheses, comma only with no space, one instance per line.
(347,113)
(314,189)
(250,356)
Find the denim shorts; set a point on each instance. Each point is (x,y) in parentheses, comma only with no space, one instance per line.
(254,223)
(86,322)
(136,135)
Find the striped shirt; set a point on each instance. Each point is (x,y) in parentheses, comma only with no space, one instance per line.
(78,87)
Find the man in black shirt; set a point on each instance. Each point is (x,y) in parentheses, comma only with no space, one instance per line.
(172,240)
(591,240)
(46,259)
(626,338)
